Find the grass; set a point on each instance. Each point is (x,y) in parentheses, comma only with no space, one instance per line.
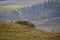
(14,31)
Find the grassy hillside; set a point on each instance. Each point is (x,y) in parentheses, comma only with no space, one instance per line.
(14,31)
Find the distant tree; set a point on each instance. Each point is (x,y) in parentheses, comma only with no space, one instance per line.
(27,23)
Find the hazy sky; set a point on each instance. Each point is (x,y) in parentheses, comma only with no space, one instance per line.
(21,2)
(58,1)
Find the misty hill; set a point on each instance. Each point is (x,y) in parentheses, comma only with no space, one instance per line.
(51,25)
(42,11)
(36,12)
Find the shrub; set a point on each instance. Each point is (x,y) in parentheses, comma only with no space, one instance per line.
(25,23)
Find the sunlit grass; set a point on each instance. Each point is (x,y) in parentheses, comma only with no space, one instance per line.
(15,31)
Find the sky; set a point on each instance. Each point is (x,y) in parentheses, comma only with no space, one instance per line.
(20,3)
(23,2)
(13,4)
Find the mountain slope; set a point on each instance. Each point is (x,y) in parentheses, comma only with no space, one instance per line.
(14,31)
(37,12)
(53,24)
(42,11)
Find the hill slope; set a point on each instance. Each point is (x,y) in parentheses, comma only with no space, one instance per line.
(52,24)
(14,31)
